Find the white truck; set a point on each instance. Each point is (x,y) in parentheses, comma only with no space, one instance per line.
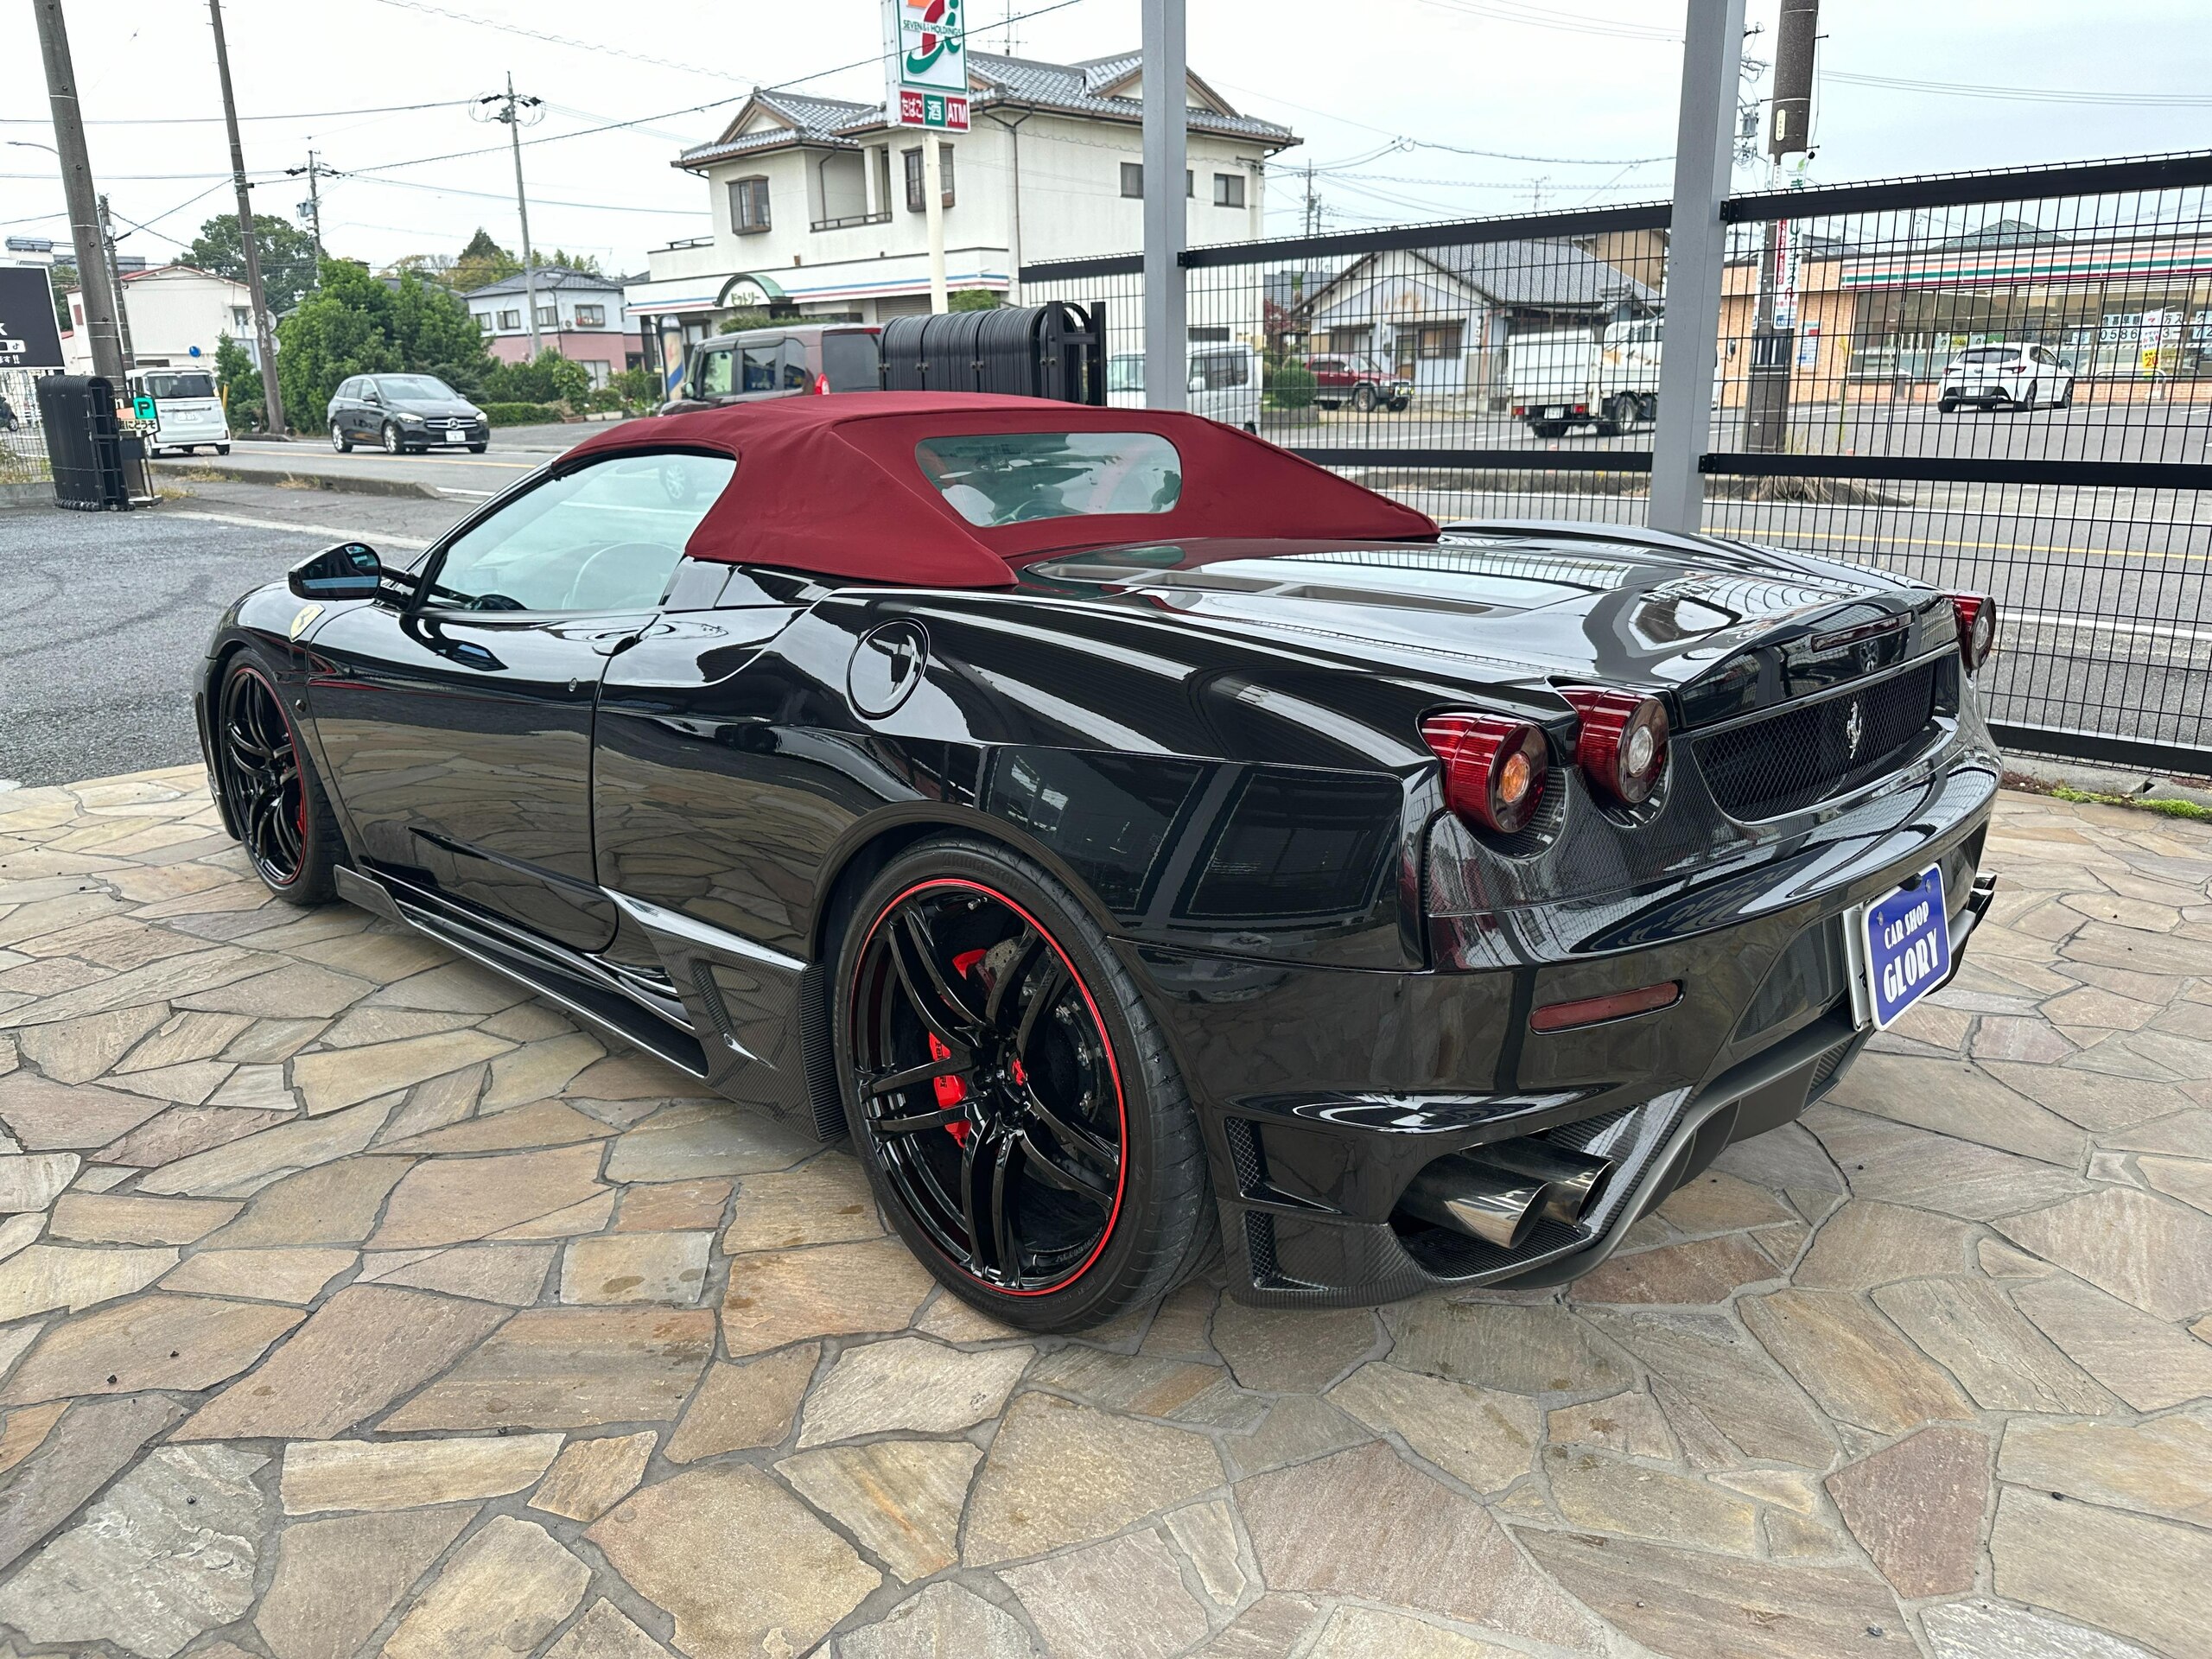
(1570,377)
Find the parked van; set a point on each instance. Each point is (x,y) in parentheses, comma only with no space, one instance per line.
(787,361)
(188,413)
(1224,386)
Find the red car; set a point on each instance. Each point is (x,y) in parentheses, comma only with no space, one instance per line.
(1359,381)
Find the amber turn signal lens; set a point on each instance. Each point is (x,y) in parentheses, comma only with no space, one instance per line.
(1977,615)
(1596,1010)
(1622,747)
(1493,767)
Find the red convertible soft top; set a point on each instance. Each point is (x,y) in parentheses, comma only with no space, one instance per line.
(831,486)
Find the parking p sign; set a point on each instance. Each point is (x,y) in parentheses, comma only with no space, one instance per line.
(28,339)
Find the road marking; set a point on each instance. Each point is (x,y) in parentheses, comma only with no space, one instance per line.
(406,541)
(480,495)
(2176,631)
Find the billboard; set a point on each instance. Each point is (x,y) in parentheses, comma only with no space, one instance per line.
(927,63)
(28,338)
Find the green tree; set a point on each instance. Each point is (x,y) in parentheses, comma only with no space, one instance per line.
(548,378)
(740,321)
(287,255)
(436,333)
(971,299)
(64,278)
(344,328)
(587,262)
(240,384)
(482,260)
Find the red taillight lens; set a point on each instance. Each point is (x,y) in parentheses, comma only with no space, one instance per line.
(1977,614)
(1596,1010)
(820,386)
(1493,767)
(1622,747)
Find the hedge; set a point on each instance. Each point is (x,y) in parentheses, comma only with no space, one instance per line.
(522,414)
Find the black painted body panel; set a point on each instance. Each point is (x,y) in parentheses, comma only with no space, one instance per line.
(1216,749)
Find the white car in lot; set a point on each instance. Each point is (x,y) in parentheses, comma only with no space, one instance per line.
(1224,383)
(2007,375)
(188,413)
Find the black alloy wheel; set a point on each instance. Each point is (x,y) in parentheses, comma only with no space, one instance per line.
(1010,1095)
(392,445)
(263,786)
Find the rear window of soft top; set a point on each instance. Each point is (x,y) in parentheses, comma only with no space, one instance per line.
(1011,478)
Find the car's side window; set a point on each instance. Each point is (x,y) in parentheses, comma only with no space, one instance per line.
(714,374)
(604,537)
(762,359)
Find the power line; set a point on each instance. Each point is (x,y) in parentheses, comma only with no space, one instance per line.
(183,120)
(596,47)
(2026,94)
(1504,12)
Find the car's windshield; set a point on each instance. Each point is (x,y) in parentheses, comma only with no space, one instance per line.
(415,385)
(178,385)
(1125,373)
(1010,477)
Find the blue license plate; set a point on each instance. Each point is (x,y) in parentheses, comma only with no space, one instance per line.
(1907,941)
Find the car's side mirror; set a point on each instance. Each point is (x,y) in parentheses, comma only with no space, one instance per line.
(349,570)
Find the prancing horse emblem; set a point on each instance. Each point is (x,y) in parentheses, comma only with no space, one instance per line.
(1854,730)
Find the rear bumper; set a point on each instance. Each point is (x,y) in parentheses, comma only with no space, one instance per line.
(1324,1092)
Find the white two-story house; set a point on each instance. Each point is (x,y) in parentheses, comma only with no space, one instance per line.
(818,206)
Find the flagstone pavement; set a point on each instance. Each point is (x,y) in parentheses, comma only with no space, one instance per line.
(351,1302)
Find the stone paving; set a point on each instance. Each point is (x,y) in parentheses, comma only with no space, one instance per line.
(352,1303)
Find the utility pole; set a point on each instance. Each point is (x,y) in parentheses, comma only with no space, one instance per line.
(96,285)
(1697,248)
(933,220)
(1774,329)
(1166,219)
(264,333)
(1312,203)
(115,268)
(313,205)
(510,111)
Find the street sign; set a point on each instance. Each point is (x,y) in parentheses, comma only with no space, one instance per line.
(926,45)
(28,339)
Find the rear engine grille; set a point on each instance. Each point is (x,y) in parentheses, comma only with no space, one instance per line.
(1797,756)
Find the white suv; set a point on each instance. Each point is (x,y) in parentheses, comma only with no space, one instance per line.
(2019,377)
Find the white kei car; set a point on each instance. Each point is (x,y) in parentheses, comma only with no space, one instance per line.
(2007,375)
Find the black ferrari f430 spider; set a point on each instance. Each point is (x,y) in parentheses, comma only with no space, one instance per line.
(1142,842)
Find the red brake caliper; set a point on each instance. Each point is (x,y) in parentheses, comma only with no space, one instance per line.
(951,1091)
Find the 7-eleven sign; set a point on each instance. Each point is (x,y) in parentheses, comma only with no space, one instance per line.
(927,51)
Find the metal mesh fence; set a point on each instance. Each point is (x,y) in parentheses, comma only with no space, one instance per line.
(1993,381)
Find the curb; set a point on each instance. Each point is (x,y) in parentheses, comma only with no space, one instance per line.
(186,471)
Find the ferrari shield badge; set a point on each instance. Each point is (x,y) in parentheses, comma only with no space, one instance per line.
(308,614)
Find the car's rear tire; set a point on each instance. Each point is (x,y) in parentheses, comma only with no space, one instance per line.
(1947,405)
(338,441)
(222,449)
(393,443)
(268,785)
(1042,1157)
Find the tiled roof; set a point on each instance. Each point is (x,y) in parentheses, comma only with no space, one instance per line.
(1542,275)
(1075,88)
(550,277)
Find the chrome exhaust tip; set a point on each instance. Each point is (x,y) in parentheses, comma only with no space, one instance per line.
(1571,1178)
(1494,1206)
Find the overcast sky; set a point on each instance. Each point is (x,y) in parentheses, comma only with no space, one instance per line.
(1388,97)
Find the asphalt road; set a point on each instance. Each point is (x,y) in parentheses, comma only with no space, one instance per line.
(107,613)
(514,452)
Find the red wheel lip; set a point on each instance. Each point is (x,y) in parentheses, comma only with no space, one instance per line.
(250,671)
(1112,1067)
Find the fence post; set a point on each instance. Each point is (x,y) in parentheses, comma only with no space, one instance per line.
(1166,366)
(1697,248)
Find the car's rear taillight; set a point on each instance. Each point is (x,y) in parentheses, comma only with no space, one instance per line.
(1622,747)
(1493,767)
(820,386)
(1977,615)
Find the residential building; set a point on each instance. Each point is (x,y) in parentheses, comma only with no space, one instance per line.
(579,315)
(177,314)
(818,208)
(30,251)
(1443,316)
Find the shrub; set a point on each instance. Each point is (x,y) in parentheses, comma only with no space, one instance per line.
(548,378)
(520,414)
(636,388)
(1290,385)
(972,299)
